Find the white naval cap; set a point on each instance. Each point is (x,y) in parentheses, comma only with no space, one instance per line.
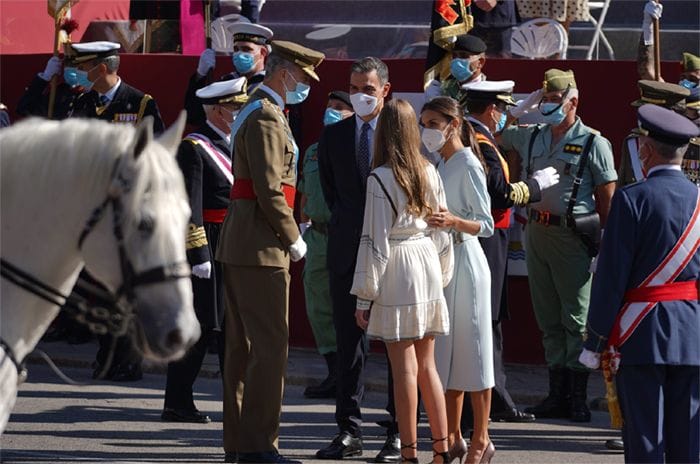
(86,51)
(329,33)
(490,91)
(230,91)
(249,32)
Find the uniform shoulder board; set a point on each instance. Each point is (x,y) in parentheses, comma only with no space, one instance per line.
(573,149)
(695,141)
(594,131)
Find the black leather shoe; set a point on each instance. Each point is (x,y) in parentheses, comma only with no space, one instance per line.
(615,445)
(512,415)
(391,451)
(184,415)
(344,445)
(231,457)
(269,456)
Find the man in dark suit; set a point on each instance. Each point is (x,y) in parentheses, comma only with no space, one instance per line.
(204,157)
(644,313)
(345,157)
(487,102)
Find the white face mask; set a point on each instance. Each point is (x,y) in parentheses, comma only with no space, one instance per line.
(363,104)
(433,139)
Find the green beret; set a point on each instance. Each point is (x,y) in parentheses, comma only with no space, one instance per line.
(556,79)
(306,58)
(690,62)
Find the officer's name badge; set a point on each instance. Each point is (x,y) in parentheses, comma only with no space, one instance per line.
(125,117)
(573,149)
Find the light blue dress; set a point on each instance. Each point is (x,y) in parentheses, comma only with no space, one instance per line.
(464,358)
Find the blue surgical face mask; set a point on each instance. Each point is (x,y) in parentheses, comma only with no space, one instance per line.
(501,122)
(331,116)
(77,77)
(688,84)
(461,69)
(553,113)
(299,94)
(243,62)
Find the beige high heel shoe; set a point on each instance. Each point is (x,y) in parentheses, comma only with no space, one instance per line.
(482,456)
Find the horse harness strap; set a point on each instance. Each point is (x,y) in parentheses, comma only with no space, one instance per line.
(21,369)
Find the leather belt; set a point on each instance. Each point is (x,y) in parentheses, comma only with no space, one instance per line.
(674,291)
(547,219)
(320,227)
(214,215)
(459,237)
(243,190)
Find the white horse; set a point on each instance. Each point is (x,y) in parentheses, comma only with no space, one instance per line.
(107,197)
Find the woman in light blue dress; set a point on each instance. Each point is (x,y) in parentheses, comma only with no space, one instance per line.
(464,358)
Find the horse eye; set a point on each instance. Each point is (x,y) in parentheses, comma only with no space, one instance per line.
(146,225)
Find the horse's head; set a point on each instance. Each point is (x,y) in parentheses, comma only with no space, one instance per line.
(149,264)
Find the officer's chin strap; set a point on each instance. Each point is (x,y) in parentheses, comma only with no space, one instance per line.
(563,100)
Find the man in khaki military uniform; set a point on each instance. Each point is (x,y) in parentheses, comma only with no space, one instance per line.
(664,94)
(258,237)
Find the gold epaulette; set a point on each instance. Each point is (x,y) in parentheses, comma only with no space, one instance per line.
(196,237)
(142,107)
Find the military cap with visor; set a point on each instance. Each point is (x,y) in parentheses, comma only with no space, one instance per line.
(76,53)
(229,91)
(665,126)
(663,94)
(248,32)
(306,58)
(490,91)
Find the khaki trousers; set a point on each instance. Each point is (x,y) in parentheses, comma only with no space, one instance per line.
(255,359)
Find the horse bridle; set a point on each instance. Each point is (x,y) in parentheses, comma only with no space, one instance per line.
(115,310)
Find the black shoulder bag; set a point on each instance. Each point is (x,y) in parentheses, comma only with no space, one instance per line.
(388,197)
(586,225)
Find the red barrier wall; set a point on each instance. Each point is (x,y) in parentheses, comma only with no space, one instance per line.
(606,90)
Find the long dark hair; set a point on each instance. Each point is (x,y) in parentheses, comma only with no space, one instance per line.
(397,144)
(450,109)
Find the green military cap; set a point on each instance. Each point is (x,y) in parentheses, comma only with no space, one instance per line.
(556,79)
(661,93)
(305,58)
(690,62)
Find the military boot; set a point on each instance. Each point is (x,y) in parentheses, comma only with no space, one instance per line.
(579,411)
(556,404)
(325,389)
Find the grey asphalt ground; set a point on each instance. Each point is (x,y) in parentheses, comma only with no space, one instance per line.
(120,422)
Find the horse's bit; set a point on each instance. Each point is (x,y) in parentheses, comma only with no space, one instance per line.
(113,312)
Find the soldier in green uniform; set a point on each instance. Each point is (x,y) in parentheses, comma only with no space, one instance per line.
(468,60)
(671,96)
(691,160)
(315,216)
(558,260)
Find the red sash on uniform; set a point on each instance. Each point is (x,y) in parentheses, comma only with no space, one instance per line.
(501,217)
(243,190)
(214,215)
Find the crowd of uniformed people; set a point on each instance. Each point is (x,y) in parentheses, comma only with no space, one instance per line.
(403,222)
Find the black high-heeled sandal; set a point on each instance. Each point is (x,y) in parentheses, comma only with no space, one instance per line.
(414,446)
(445,455)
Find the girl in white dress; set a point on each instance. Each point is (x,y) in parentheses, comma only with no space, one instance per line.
(464,358)
(402,267)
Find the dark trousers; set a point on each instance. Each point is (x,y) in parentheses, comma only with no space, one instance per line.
(660,406)
(183,373)
(352,352)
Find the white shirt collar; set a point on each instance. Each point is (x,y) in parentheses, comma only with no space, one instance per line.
(273,94)
(664,167)
(111,92)
(220,133)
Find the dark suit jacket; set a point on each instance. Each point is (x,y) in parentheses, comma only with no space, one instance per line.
(646,219)
(344,191)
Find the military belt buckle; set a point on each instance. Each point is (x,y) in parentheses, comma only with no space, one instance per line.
(543,218)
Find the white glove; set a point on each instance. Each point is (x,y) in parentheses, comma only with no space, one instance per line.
(652,10)
(589,359)
(432,90)
(207,61)
(203,271)
(304,226)
(528,105)
(297,250)
(53,68)
(546,177)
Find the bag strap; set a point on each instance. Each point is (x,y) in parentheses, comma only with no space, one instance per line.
(579,175)
(529,150)
(388,197)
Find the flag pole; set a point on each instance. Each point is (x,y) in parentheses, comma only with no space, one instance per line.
(58,11)
(657,48)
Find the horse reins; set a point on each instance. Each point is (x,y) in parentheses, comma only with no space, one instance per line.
(115,311)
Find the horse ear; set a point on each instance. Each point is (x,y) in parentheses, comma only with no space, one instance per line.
(144,136)
(171,138)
